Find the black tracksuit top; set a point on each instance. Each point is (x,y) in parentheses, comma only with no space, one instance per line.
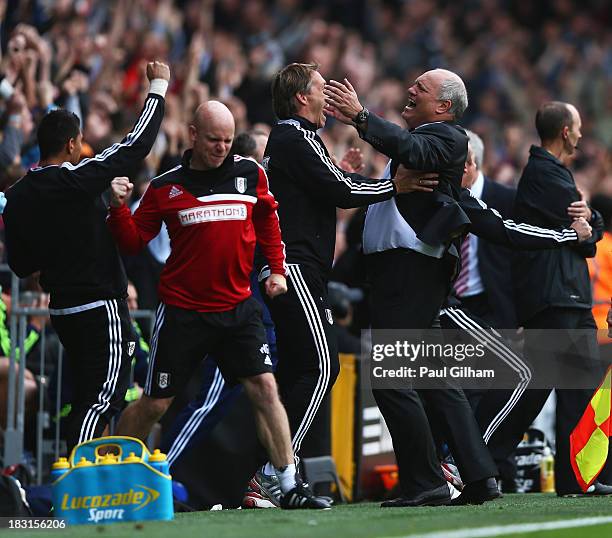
(309,187)
(55,219)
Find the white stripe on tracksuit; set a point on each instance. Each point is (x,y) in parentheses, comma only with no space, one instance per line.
(562,236)
(139,128)
(94,413)
(159,321)
(501,350)
(193,423)
(355,187)
(318,333)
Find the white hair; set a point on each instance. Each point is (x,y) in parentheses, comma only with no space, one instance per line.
(453,89)
(477,146)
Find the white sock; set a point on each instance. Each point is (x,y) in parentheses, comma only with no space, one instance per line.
(268,469)
(286,477)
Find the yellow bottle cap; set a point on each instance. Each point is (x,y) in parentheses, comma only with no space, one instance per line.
(132,458)
(83,462)
(108,459)
(62,463)
(157,456)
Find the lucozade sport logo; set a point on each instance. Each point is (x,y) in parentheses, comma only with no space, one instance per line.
(111,505)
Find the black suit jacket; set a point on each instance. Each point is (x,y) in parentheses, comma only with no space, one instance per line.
(493,260)
(439,147)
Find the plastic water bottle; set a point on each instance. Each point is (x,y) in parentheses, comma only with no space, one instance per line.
(159,462)
(60,467)
(547,471)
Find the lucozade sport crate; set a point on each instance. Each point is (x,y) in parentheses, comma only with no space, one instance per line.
(112,479)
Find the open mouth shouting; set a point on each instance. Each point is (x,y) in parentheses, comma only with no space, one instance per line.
(411,104)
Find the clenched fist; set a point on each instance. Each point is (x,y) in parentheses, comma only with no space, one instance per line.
(275,285)
(158,70)
(121,189)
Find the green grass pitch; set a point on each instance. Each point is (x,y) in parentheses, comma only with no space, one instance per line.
(366,520)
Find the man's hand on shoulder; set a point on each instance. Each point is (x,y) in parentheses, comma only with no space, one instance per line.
(121,189)
(275,285)
(582,228)
(414,180)
(158,70)
(580,209)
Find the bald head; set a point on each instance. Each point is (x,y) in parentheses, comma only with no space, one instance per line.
(212,134)
(213,113)
(451,88)
(559,127)
(552,117)
(437,95)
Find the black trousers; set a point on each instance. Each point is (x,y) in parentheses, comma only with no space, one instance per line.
(571,403)
(408,290)
(498,353)
(476,305)
(307,356)
(99,343)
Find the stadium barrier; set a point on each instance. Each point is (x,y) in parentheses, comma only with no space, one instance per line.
(13,436)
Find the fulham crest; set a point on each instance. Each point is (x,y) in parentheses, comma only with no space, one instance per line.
(241,184)
(163,380)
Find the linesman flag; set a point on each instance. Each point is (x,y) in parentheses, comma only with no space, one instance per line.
(590,439)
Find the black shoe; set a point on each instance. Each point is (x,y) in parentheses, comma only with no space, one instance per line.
(596,489)
(301,497)
(478,492)
(434,497)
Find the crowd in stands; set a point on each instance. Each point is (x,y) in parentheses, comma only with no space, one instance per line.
(87,56)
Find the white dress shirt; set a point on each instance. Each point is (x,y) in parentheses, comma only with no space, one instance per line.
(386,229)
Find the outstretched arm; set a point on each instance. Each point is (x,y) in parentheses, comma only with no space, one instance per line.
(424,148)
(93,175)
(489,224)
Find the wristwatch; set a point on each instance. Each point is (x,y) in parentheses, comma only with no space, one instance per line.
(362,116)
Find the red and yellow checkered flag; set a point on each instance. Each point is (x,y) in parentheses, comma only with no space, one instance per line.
(590,439)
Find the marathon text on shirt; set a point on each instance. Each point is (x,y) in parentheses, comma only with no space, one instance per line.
(197,215)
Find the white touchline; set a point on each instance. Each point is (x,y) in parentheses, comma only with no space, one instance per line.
(503,530)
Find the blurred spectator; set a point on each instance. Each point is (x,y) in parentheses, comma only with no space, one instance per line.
(87,57)
(36,324)
(600,269)
(341,299)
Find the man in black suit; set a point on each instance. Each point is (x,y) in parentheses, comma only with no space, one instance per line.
(553,290)
(412,247)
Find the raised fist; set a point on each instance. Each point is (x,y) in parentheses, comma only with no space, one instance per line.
(158,70)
